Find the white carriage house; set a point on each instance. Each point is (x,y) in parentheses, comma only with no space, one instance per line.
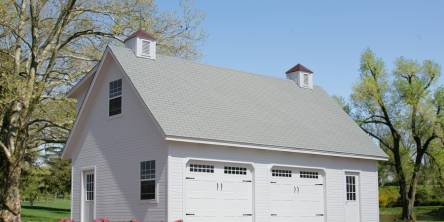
(159,138)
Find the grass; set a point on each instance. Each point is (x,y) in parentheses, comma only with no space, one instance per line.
(423,214)
(46,211)
(53,210)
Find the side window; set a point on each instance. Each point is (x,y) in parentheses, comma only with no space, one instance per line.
(148,180)
(115,97)
(350,183)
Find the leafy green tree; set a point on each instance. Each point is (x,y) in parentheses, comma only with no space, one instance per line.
(403,112)
(59,176)
(47,46)
(32,183)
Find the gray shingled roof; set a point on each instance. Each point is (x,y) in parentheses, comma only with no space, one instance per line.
(194,100)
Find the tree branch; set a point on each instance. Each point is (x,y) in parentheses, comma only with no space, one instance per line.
(377,138)
(86,32)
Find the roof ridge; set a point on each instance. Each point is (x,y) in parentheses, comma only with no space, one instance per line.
(215,66)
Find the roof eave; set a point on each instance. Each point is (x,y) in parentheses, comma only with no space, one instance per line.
(275,148)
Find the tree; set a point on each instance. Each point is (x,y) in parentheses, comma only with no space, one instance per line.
(47,46)
(403,112)
(59,176)
(32,183)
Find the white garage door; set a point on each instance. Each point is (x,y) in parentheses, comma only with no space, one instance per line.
(218,192)
(297,195)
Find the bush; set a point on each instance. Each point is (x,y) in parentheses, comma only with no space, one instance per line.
(388,196)
(425,196)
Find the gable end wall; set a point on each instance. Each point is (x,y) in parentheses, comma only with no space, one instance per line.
(115,147)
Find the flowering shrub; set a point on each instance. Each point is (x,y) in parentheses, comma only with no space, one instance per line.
(105,219)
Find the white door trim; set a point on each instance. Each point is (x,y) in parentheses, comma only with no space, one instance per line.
(82,191)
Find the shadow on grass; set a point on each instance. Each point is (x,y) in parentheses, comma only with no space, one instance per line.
(422,214)
(436,213)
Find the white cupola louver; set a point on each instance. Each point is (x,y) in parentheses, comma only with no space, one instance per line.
(301,75)
(142,44)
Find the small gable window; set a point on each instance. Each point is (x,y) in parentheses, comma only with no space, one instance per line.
(115,97)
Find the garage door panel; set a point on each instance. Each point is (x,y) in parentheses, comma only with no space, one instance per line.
(218,192)
(236,194)
(311,218)
(282,202)
(296,195)
(192,218)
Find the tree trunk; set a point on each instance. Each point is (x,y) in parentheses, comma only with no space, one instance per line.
(12,205)
(407,206)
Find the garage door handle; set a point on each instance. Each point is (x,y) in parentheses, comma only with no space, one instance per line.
(320,215)
(273,215)
(189,214)
(272,181)
(189,178)
(247,181)
(248,215)
(319,184)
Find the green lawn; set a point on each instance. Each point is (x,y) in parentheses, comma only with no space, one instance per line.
(50,211)
(423,213)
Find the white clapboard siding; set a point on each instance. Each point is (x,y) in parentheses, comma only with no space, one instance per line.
(116,146)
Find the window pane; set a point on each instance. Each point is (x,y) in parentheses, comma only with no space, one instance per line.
(115,106)
(280,173)
(201,168)
(115,88)
(147,170)
(147,189)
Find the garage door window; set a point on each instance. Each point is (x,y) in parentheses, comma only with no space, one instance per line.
(351,187)
(309,175)
(235,170)
(280,173)
(148,180)
(201,168)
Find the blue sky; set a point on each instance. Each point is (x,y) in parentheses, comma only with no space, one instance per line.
(268,37)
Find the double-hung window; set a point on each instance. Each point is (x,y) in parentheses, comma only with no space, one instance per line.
(148,180)
(115,97)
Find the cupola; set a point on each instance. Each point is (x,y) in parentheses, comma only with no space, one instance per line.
(142,43)
(301,75)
